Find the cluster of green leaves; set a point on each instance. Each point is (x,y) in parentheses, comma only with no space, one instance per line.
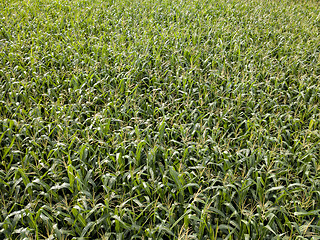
(159,119)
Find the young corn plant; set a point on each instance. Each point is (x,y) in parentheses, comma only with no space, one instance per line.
(159,119)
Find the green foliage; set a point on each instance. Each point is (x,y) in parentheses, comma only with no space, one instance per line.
(159,119)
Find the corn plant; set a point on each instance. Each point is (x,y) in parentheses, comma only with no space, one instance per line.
(159,119)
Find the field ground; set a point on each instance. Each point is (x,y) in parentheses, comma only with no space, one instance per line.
(159,119)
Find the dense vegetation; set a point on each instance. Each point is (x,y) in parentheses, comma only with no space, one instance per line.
(152,119)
